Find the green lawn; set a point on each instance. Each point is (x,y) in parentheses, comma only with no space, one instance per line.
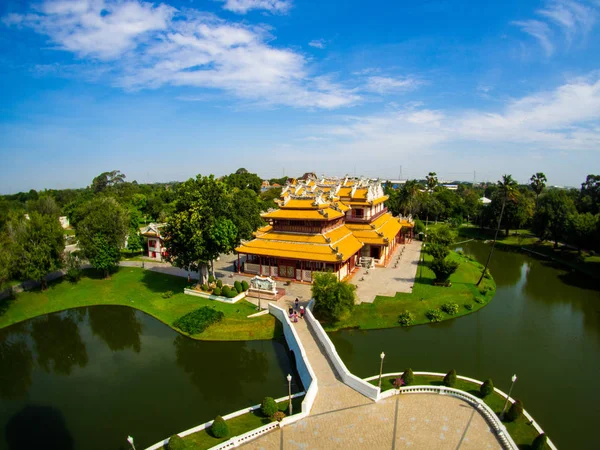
(140,289)
(522,433)
(384,311)
(238,426)
(586,263)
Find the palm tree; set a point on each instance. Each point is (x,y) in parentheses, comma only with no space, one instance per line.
(431,180)
(538,183)
(506,187)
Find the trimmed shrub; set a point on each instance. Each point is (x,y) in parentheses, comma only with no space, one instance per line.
(219,284)
(217,291)
(539,443)
(232,293)
(176,443)
(406,319)
(219,428)
(167,294)
(225,291)
(279,416)
(443,268)
(479,300)
(245,285)
(268,407)
(434,315)
(450,308)
(468,306)
(514,412)
(486,388)
(204,287)
(237,286)
(450,379)
(211,278)
(199,320)
(408,377)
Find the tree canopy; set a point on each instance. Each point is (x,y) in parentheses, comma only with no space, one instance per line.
(333,299)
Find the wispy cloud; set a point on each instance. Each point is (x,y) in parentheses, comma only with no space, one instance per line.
(539,30)
(317,43)
(149,46)
(384,85)
(243,6)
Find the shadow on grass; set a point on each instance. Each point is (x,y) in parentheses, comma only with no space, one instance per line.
(6,302)
(160,282)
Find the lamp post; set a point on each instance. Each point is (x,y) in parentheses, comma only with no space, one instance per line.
(514,378)
(381,368)
(130,440)
(289,379)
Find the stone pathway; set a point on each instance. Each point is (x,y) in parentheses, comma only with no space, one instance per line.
(341,418)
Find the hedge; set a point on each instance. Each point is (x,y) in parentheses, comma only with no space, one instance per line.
(199,320)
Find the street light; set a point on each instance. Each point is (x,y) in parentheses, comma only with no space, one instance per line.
(130,440)
(514,378)
(289,378)
(381,368)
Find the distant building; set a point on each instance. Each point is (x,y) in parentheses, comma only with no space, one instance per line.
(154,241)
(64,221)
(485,201)
(451,187)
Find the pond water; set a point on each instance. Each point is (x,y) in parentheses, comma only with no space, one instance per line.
(89,377)
(543,325)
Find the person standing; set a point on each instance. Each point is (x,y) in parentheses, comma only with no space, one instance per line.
(296,303)
(302,312)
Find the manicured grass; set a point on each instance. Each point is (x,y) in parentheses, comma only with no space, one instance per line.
(384,311)
(140,289)
(238,426)
(585,262)
(520,430)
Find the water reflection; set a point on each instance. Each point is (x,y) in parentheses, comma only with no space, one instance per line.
(16,362)
(38,427)
(58,344)
(117,326)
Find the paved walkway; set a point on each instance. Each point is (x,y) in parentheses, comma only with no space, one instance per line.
(341,418)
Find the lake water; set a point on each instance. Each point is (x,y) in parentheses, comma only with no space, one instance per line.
(89,377)
(543,325)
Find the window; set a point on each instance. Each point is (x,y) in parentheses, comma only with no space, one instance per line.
(150,243)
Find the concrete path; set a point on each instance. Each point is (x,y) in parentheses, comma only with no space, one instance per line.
(342,418)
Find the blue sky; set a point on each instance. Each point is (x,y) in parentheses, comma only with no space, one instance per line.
(165,90)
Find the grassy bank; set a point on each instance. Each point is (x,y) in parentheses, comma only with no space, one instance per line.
(384,311)
(524,240)
(237,426)
(143,290)
(520,430)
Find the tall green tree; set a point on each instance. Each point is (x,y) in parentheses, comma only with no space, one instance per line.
(507,187)
(333,299)
(538,183)
(242,179)
(431,181)
(551,219)
(102,231)
(106,180)
(582,229)
(200,227)
(37,244)
(589,196)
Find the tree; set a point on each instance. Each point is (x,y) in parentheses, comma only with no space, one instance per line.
(408,377)
(443,235)
(538,183)
(219,428)
(515,411)
(135,242)
(244,180)
(583,229)
(5,259)
(246,205)
(507,187)
(200,227)
(589,196)
(442,268)
(268,407)
(107,179)
(333,298)
(431,181)
(101,232)
(551,219)
(486,388)
(539,443)
(450,378)
(37,245)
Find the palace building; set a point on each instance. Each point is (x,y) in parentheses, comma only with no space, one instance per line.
(324,225)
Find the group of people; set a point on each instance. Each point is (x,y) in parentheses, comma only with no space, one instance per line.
(293,312)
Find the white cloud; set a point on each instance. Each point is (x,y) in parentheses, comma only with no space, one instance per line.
(317,43)
(150,46)
(383,85)
(243,6)
(539,30)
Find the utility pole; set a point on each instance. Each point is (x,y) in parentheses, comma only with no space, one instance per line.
(400,174)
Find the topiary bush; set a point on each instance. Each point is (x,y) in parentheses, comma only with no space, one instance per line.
(199,320)
(450,379)
(204,287)
(211,278)
(539,443)
(486,388)
(279,416)
(176,443)
(219,428)
(443,268)
(406,319)
(479,300)
(225,291)
(514,412)
(434,315)
(237,286)
(468,306)
(219,284)
(245,285)
(268,407)
(232,293)
(217,291)
(408,377)
(167,294)
(450,308)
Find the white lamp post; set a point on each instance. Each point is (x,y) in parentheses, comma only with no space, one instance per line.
(514,378)
(381,368)
(289,379)
(130,440)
